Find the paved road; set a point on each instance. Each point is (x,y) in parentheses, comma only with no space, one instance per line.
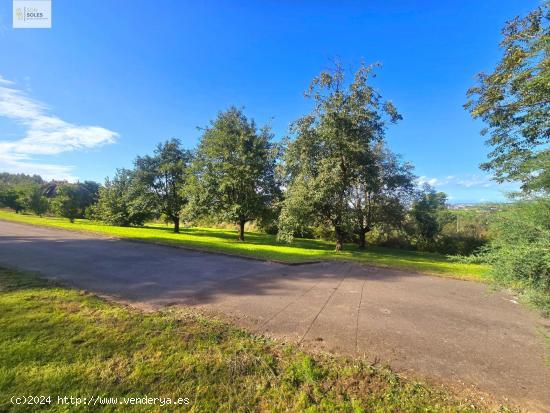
(453,331)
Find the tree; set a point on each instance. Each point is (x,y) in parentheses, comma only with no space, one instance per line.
(234,170)
(330,146)
(90,193)
(380,192)
(162,179)
(425,211)
(36,201)
(120,203)
(16,180)
(67,202)
(514,101)
(20,192)
(72,200)
(11,198)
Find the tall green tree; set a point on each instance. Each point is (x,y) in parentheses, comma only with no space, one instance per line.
(162,178)
(381,192)
(36,201)
(514,102)
(11,198)
(426,211)
(72,200)
(234,170)
(15,180)
(329,149)
(120,201)
(16,189)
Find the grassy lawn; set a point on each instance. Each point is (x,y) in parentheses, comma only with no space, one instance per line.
(266,246)
(63,342)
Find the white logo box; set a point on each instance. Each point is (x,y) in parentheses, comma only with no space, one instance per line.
(32,14)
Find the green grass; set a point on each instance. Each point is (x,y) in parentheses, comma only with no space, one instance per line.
(267,247)
(62,342)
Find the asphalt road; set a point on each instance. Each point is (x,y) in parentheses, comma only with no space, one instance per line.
(456,332)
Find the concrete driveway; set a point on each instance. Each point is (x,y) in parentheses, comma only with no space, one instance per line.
(457,332)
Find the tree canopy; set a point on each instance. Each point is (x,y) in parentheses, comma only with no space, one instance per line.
(425,210)
(72,200)
(234,170)
(332,145)
(514,102)
(162,178)
(381,192)
(121,202)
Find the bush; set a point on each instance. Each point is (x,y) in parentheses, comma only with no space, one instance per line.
(121,202)
(458,244)
(392,238)
(520,246)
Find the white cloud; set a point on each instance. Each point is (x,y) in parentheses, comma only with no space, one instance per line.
(46,171)
(465,181)
(435,181)
(45,134)
(476,181)
(5,81)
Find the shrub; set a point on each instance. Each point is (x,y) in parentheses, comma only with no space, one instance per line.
(520,246)
(121,202)
(458,244)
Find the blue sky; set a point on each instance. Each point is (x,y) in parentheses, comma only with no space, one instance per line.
(113,78)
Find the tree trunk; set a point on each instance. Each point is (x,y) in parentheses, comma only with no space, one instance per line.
(241,229)
(176,224)
(339,240)
(362,239)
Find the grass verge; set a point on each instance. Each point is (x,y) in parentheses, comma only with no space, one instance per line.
(267,247)
(62,342)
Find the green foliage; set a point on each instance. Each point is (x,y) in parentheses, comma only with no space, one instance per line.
(457,244)
(331,147)
(520,246)
(162,177)
(234,171)
(120,201)
(514,101)
(15,180)
(11,198)
(426,212)
(16,191)
(380,193)
(58,341)
(67,203)
(36,201)
(72,200)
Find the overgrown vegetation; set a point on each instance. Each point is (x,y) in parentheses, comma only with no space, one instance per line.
(57,341)
(520,250)
(514,103)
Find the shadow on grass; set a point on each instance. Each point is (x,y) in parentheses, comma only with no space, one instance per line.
(325,247)
(266,247)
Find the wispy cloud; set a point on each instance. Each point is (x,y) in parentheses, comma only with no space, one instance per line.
(5,81)
(45,134)
(464,181)
(470,187)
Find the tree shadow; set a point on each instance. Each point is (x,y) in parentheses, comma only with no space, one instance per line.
(141,272)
